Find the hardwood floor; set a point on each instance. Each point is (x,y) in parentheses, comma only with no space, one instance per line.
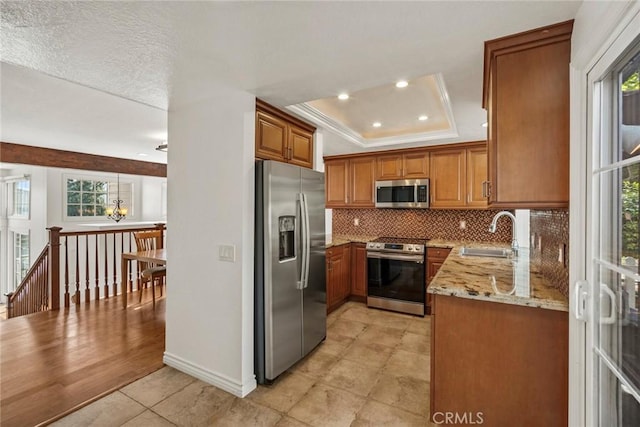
(54,362)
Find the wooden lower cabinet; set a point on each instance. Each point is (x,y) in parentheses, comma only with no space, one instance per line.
(359,272)
(338,276)
(346,274)
(435,259)
(505,363)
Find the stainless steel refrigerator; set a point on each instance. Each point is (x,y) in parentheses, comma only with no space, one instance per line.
(290,290)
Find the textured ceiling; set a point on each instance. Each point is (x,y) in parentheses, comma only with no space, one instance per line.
(284,52)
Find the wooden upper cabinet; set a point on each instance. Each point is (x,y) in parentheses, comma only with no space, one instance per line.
(458,177)
(526,94)
(271,137)
(412,165)
(416,165)
(362,179)
(389,167)
(282,137)
(336,174)
(477,177)
(349,182)
(448,178)
(301,143)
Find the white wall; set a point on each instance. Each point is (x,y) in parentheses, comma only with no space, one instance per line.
(209,317)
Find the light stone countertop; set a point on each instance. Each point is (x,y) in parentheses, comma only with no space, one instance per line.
(345,239)
(505,280)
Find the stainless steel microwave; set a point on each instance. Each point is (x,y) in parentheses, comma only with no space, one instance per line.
(402,193)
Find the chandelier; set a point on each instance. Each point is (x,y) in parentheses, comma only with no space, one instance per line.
(118,211)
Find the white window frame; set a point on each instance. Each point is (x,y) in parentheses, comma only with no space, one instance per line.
(14,268)
(110,179)
(11,200)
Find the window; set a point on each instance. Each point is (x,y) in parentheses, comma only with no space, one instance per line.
(20,256)
(89,197)
(19,193)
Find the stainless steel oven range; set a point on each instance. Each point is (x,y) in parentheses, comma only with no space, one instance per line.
(396,274)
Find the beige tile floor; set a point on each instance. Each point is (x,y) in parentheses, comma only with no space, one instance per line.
(372,370)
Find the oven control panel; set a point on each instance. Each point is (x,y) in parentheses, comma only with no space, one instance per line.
(396,247)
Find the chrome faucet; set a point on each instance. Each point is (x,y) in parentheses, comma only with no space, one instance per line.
(514,239)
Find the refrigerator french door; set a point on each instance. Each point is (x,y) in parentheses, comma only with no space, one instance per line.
(290,290)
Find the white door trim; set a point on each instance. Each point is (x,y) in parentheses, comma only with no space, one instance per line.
(621,23)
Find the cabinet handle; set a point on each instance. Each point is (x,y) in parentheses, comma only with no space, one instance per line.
(290,153)
(486,189)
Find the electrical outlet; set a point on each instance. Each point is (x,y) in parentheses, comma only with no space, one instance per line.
(356,221)
(227,253)
(540,243)
(533,240)
(561,253)
(463,225)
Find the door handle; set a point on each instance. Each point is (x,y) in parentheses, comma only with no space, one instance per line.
(611,319)
(580,299)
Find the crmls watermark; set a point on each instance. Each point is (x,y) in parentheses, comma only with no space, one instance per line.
(470,418)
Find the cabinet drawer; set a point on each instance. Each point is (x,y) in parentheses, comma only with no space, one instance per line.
(437,253)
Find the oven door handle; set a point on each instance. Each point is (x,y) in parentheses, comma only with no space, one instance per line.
(397,257)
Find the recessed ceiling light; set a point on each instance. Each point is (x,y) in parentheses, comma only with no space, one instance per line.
(343,96)
(142,154)
(402,83)
(423,118)
(485,124)
(377,124)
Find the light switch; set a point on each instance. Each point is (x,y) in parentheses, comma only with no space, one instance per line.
(227,253)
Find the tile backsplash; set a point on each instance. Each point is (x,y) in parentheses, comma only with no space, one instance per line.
(421,223)
(549,234)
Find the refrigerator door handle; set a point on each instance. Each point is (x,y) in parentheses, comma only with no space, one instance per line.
(303,240)
(307,241)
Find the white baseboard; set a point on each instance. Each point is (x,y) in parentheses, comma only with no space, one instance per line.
(221,381)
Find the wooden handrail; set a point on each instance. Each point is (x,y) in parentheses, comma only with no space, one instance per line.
(56,274)
(32,295)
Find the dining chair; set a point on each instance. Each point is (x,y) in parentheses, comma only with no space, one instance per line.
(149,272)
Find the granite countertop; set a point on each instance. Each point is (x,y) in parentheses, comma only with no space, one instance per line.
(506,280)
(345,239)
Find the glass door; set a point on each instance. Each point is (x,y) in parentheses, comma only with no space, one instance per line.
(613,353)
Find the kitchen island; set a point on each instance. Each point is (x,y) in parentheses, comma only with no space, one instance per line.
(499,342)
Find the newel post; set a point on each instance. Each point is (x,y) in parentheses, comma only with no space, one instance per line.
(161,227)
(9,305)
(54,267)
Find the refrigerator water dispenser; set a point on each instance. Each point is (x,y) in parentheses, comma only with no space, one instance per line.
(287,238)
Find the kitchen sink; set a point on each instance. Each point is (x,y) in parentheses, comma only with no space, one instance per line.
(486,252)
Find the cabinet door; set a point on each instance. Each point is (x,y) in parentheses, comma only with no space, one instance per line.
(362,178)
(300,147)
(476,177)
(359,269)
(448,178)
(271,137)
(389,167)
(531,127)
(336,178)
(416,165)
(345,273)
(334,271)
